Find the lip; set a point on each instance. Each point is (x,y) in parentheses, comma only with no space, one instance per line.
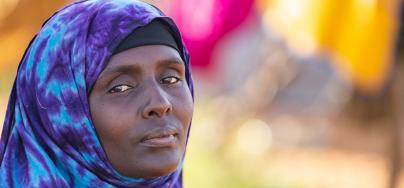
(160,137)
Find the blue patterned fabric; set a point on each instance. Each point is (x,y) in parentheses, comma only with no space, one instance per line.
(48,138)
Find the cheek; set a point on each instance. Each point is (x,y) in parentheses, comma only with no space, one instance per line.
(185,108)
(110,121)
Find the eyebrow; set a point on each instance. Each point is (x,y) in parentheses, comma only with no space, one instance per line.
(171,61)
(135,68)
(120,69)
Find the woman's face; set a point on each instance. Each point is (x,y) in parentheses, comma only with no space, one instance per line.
(141,108)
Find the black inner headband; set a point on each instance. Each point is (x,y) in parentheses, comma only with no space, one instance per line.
(154,33)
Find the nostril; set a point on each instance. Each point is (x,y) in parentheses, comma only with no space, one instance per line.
(159,112)
(168,109)
(157,108)
(152,113)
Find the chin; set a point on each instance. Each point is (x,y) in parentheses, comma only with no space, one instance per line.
(152,165)
(162,167)
(161,172)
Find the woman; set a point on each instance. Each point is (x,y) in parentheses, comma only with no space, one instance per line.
(103,97)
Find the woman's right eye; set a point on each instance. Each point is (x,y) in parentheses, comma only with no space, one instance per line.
(120,89)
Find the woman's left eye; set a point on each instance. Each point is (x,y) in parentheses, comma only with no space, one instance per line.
(170,80)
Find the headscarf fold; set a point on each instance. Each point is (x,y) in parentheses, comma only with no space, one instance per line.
(48,138)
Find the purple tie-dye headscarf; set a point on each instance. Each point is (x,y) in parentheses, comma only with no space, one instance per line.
(48,138)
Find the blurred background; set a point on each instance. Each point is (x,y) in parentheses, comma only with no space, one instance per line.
(289,93)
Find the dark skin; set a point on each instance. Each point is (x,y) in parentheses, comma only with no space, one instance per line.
(141,108)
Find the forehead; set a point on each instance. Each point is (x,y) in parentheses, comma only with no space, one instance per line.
(143,56)
(146,53)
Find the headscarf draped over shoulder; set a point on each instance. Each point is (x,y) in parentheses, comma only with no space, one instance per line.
(48,139)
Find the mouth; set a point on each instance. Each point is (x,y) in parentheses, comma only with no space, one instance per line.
(160,137)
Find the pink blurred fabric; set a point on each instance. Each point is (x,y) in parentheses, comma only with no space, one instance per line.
(204,22)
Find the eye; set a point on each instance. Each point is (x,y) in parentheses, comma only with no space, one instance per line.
(120,88)
(170,80)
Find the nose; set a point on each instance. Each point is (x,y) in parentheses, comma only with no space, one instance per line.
(158,103)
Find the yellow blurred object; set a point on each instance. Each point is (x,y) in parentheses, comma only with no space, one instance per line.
(12,45)
(6,7)
(359,35)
